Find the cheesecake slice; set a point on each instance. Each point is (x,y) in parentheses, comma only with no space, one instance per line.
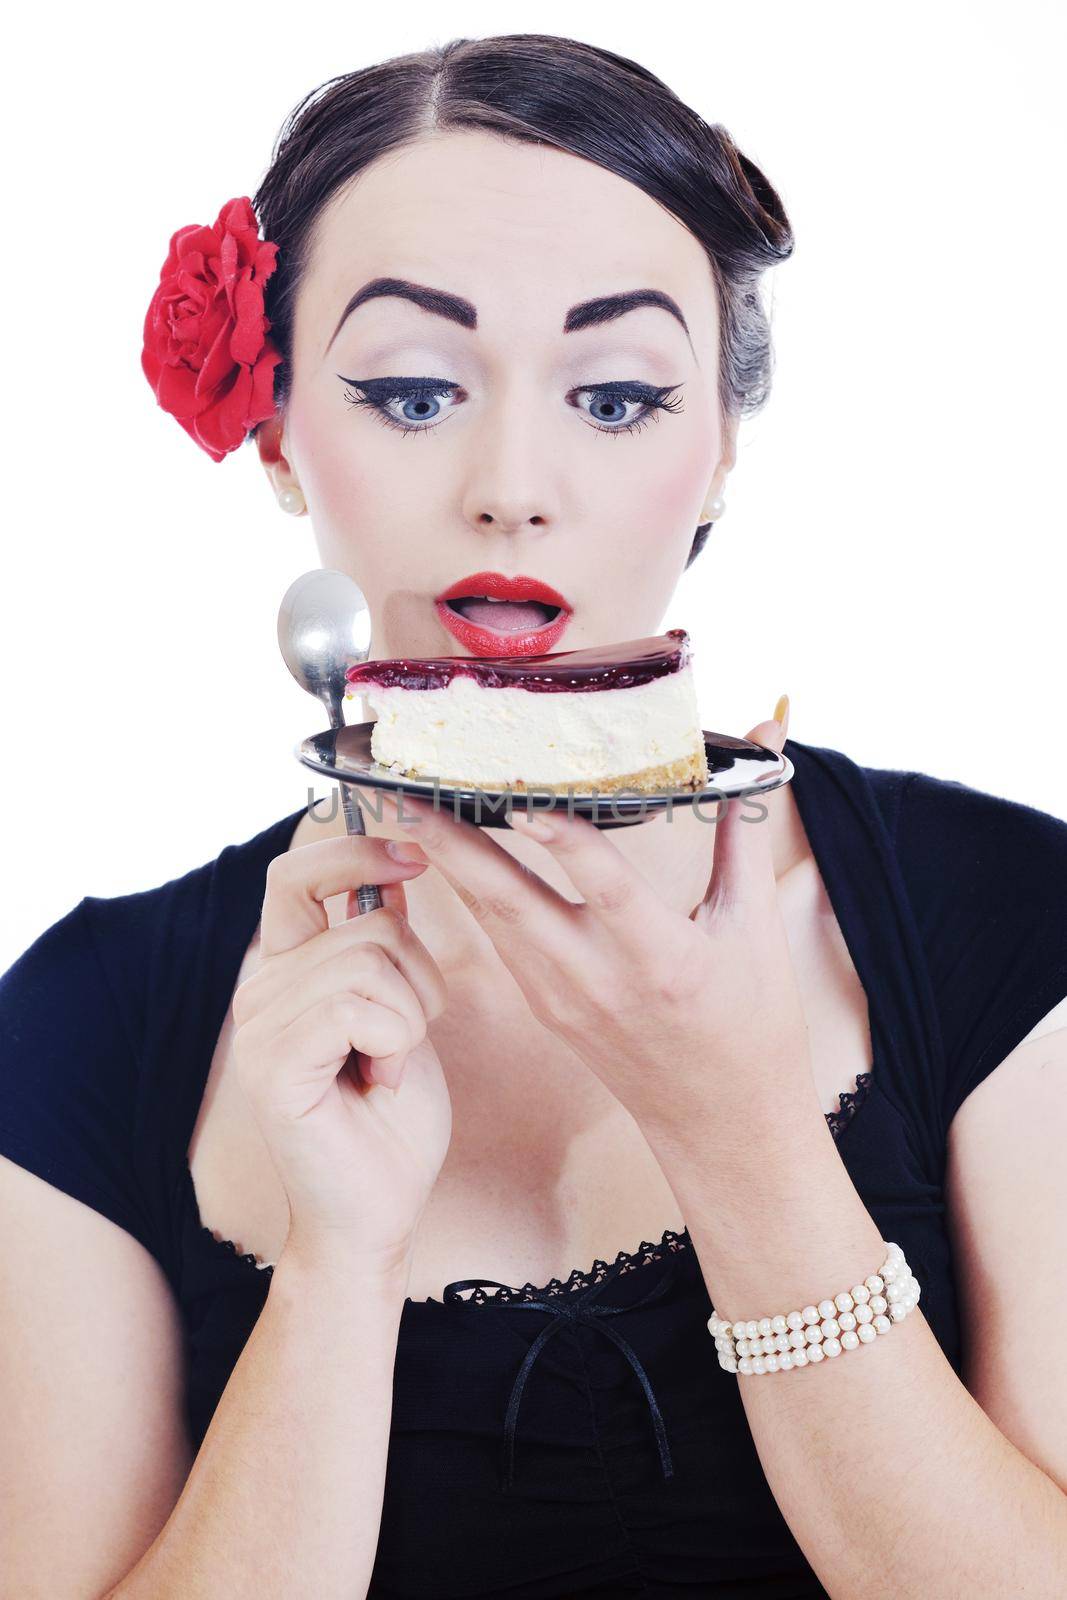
(614,717)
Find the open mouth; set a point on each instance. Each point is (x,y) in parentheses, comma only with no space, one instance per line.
(503,616)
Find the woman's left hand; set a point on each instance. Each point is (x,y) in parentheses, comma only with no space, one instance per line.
(680,1016)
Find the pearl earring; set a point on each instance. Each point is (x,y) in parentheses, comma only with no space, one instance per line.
(292,500)
(713,510)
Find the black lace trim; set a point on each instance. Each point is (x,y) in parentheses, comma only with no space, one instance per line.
(850,1101)
(245,1256)
(556,1288)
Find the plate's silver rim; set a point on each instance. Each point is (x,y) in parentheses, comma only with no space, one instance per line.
(613,803)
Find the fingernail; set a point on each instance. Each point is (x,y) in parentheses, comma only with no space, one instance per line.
(534,826)
(410,854)
(781,711)
(382,1078)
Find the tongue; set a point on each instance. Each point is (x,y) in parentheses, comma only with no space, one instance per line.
(505,616)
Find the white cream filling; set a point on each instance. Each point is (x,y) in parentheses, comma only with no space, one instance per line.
(498,736)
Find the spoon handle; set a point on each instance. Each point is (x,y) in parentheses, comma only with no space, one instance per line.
(367,896)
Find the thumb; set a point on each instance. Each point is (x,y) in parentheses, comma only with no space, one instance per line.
(743,864)
(775,730)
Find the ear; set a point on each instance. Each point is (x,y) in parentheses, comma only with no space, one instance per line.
(729,444)
(270,442)
(727,457)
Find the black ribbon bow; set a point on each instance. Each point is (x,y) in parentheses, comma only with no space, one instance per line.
(572,1308)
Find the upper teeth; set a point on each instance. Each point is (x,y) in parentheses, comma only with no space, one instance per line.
(498,600)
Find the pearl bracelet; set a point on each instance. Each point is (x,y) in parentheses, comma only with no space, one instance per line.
(856,1316)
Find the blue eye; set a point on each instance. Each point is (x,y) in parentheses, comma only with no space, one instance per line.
(420,410)
(418,396)
(608,396)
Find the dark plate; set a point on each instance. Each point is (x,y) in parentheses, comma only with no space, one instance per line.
(737,767)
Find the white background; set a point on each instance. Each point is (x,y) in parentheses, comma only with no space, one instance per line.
(892,555)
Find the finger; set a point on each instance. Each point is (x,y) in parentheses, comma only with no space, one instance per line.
(365,970)
(298,881)
(383,928)
(743,862)
(613,890)
(770,733)
(315,1044)
(500,892)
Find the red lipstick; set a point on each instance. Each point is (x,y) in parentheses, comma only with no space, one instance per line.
(514,637)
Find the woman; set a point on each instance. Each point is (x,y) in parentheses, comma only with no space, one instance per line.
(328,1329)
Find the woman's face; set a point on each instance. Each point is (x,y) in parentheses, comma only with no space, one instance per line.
(511,441)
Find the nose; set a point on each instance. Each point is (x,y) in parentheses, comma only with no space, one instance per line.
(510,485)
(509,522)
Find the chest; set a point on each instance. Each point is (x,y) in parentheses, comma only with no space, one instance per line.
(545,1171)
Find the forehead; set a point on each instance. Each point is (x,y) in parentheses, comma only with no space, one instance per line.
(522,230)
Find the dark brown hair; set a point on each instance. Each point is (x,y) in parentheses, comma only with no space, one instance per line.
(550,90)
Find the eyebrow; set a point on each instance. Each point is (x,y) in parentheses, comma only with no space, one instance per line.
(587,314)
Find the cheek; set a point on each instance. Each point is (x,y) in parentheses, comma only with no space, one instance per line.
(335,485)
(325,463)
(348,465)
(337,478)
(669,499)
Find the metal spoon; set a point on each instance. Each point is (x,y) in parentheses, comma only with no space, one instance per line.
(324,627)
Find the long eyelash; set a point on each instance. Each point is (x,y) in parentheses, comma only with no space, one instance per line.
(382,390)
(378,393)
(654,400)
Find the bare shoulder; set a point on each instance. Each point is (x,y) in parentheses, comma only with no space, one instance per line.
(1006,1196)
(94,1449)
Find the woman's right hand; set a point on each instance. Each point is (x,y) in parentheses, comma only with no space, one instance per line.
(358,1143)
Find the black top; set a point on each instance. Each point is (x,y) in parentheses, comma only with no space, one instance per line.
(634,1468)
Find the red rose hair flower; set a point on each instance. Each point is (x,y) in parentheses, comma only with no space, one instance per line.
(206,351)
